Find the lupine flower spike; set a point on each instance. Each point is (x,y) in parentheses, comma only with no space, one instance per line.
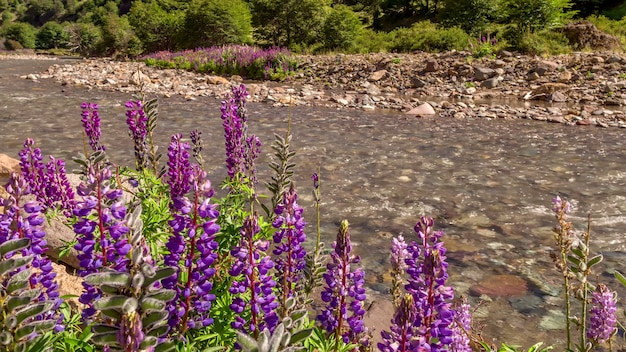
(461,327)
(252,267)
(427,268)
(602,317)
(402,328)
(289,238)
(343,289)
(91,125)
(192,244)
(399,254)
(137,122)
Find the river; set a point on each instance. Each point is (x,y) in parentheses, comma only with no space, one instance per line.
(488,183)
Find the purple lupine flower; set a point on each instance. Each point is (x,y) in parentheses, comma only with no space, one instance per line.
(91,125)
(602,317)
(253,150)
(101,230)
(461,327)
(252,268)
(343,286)
(559,205)
(427,268)
(137,122)
(25,221)
(399,253)
(192,244)
(402,329)
(48,183)
(233,134)
(289,239)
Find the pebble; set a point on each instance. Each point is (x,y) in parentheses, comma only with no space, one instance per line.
(417,78)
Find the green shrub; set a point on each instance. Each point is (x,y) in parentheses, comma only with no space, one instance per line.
(84,38)
(426,36)
(157,28)
(118,38)
(216,22)
(22,33)
(370,41)
(52,35)
(472,16)
(11,44)
(535,15)
(612,27)
(341,28)
(542,43)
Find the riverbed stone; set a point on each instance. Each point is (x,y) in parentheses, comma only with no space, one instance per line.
(503,285)
(483,73)
(8,165)
(422,110)
(378,75)
(490,83)
(431,65)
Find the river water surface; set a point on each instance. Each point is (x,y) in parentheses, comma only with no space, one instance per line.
(487,183)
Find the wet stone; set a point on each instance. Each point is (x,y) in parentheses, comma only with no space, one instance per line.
(500,286)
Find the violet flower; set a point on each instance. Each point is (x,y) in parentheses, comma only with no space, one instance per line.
(137,122)
(289,238)
(461,327)
(192,244)
(399,253)
(241,150)
(91,125)
(48,183)
(402,329)
(427,268)
(602,317)
(344,288)
(101,230)
(25,220)
(253,280)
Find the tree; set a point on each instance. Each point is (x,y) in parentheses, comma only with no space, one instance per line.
(216,22)
(22,33)
(472,16)
(535,15)
(52,35)
(157,28)
(289,23)
(341,28)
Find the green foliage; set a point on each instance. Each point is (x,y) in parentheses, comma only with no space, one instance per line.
(545,42)
(41,11)
(22,33)
(84,38)
(157,28)
(118,38)
(370,41)
(289,23)
(321,342)
(24,313)
(75,337)
(510,348)
(216,22)
(612,27)
(472,16)
(535,15)
(11,44)
(52,35)
(426,36)
(341,28)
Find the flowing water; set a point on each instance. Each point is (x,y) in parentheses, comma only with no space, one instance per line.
(487,183)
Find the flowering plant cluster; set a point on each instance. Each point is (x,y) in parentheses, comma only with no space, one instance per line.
(247,61)
(218,275)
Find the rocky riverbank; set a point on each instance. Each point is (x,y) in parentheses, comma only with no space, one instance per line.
(577,88)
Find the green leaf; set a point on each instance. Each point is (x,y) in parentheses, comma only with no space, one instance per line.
(149,304)
(102,328)
(18,282)
(620,277)
(14,302)
(36,326)
(300,336)
(247,343)
(149,341)
(164,295)
(33,310)
(107,338)
(115,279)
(595,260)
(122,303)
(154,318)
(160,274)
(13,245)
(165,347)
(574,260)
(9,265)
(578,252)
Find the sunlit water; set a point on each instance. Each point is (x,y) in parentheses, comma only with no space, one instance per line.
(487,183)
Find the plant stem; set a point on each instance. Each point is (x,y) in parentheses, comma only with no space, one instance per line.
(583,322)
(568,307)
(317,211)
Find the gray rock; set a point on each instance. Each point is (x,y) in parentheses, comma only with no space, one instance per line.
(418,83)
(490,83)
(378,75)
(557,97)
(483,73)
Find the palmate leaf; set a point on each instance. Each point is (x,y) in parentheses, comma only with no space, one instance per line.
(19,282)
(13,245)
(11,264)
(36,326)
(160,274)
(33,310)
(121,303)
